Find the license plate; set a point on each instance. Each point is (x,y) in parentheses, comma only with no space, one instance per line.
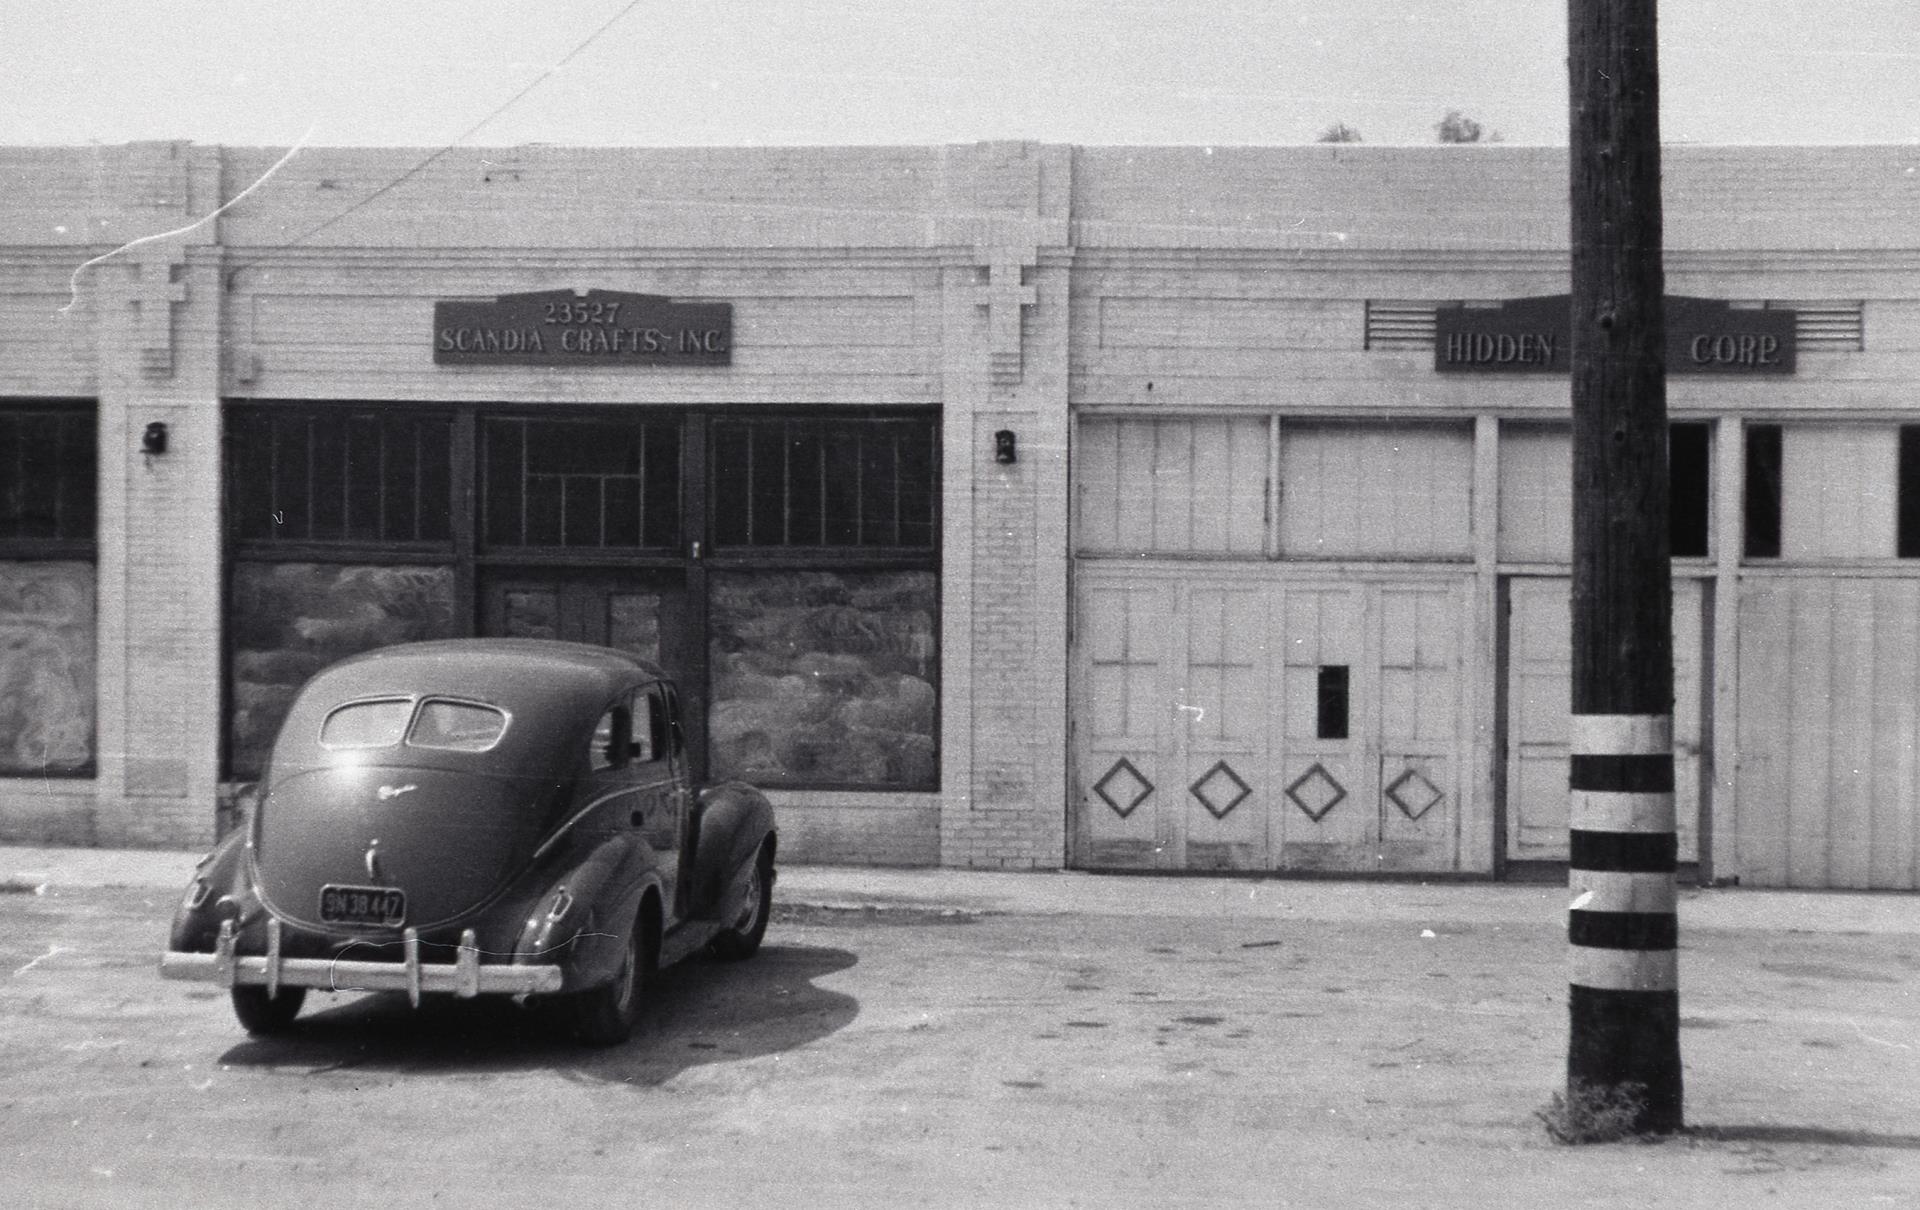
(363,905)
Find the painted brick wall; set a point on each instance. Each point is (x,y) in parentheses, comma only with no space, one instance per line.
(1003,282)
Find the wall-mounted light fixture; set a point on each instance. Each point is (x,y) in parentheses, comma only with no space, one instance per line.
(154,440)
(1003,448)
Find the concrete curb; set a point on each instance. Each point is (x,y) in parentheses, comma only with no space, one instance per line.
(27,869)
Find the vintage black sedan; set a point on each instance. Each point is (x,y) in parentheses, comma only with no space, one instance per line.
(479,817)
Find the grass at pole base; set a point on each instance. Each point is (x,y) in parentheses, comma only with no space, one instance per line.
(1623,1052)
(1604,1113)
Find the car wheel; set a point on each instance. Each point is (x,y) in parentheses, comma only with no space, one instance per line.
(742,938)
(262,1014)
(606,1015)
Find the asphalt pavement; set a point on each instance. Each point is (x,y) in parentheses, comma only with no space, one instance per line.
(952,1037)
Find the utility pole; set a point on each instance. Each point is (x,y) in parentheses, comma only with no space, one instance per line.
(1624,998)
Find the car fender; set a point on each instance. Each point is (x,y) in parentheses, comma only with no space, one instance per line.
(583,921)
(217,891)
(733,820)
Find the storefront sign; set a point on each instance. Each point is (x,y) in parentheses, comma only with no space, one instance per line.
(598,328)
(1532,335)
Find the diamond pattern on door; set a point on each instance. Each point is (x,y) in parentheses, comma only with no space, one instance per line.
(1316,792)
(1125,777)
(1414,794)
(1207,791)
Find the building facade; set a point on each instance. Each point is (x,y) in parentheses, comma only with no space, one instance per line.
(1003,505)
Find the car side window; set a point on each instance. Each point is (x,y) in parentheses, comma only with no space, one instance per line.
(676,741)
(611,738)
(649,720)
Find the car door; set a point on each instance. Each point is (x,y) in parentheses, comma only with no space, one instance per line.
(660,805)
(611,798)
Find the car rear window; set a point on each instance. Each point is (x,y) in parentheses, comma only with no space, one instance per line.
(366,724)
(456,727)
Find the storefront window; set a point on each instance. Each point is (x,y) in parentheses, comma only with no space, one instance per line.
(290,620)
(809,540)
(825,678)
(46,667)
(47,511)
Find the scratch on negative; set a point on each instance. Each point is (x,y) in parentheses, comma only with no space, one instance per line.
(1865,1036)
(73,282)
(51,951)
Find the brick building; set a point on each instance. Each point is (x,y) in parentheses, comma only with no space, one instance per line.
(1005,505)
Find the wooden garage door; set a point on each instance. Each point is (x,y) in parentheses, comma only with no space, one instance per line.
(1259,721)
(1539,698)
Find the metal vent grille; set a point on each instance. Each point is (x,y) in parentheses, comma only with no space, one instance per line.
(1825,326)
(1820,326)
(1399,325)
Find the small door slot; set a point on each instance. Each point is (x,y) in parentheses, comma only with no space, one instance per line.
(1333,701)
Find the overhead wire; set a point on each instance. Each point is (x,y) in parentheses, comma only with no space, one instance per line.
(431,159)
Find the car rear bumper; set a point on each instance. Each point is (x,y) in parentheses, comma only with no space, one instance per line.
(465,976)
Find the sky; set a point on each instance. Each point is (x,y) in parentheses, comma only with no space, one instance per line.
(754,72)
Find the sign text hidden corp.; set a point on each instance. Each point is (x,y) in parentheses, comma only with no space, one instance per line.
(1532,335)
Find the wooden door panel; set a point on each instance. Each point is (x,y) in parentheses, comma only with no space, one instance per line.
(1539,689)
(644,613)
(1419,728)
(1123,778)
(1222,723)
(1326,821)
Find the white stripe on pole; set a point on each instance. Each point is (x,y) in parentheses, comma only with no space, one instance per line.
(1620,811)
(1625,970)
(1606,891)
(1620,734)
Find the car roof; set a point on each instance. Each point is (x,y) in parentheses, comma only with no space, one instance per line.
(519,674)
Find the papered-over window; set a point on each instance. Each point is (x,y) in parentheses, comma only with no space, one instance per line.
(1536,490)
(46,667)
(47,518)
(826,678)
(1832,491)
(1171,485)
(287,621)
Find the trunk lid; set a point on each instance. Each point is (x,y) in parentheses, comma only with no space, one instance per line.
(448,840)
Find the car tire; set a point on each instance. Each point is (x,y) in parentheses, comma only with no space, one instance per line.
(742,940)
(606,1015)
(263,1015)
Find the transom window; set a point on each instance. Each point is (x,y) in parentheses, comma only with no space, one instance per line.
(1536,491)
(338,475)
(840,481)
(1266,487)
(46,474)
(1832,491)
(581,482)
